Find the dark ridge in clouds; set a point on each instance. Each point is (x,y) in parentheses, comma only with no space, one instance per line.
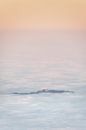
(43,91)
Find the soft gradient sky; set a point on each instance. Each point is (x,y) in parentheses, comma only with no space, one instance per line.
(62,14)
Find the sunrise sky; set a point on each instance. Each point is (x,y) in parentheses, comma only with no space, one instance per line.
(60,14)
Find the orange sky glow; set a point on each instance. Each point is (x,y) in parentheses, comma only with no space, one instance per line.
(63,14)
